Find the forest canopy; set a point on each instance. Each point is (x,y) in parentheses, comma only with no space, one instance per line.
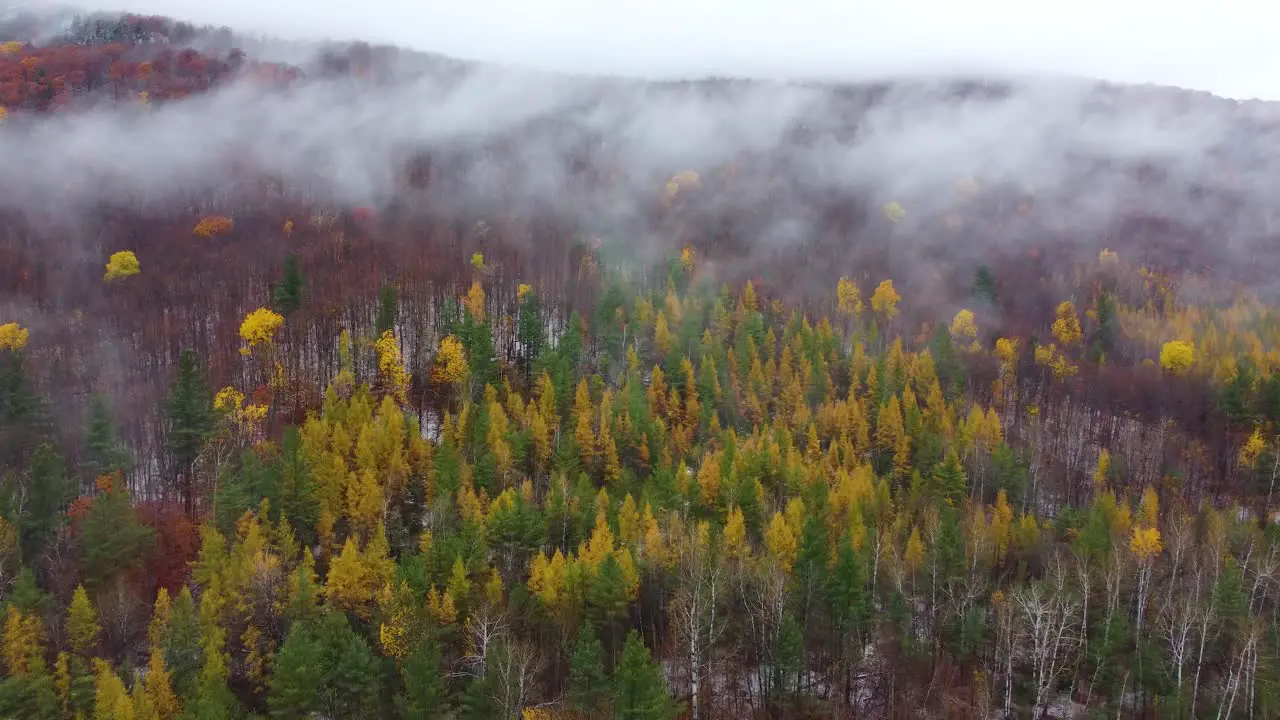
(290,459)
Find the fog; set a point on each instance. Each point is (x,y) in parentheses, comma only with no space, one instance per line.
(344,142)
(1227,49)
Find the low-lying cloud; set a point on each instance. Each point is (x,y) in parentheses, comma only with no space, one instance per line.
(1226,49)
(520,133)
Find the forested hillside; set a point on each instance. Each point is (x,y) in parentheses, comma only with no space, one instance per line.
(507,445)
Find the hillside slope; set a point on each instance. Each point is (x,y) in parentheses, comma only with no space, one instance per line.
(394,385)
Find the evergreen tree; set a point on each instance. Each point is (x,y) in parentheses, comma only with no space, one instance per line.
(24,418)
(297,676)
(287,294)
(191,421)
(588,687)
(607,324)
(946,362)
(388,309)
(1010,473)
(788,657)
(949,481)
(183,654)
(114,539)
(477,701)
(1238,395)
(1103,338)
(477,340)
(35,501)
(530,333)
(242,487)
(305,596)
(32,695)
(810,569)
(639,691)
(948,544)
(423,695)
(352,685)
(1230,599)
(103,453)
(984,285)
(846,595)
(213,700)
(607,598)
(1269,398)
(281,474)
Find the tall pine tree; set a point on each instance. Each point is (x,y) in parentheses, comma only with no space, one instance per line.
(190,416)
(388,309)
(423,695)
(287,294)
(639,691)
(103,453)
(588,687)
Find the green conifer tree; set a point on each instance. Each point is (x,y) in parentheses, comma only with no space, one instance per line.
(287,294)
(190,416)
(103,453)
(588,686)
(639,691)
(388,309)
(423,695)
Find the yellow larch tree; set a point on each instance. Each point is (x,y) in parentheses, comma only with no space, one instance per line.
(1101,472)
(154,698)
(885,300)
(734,536)
(747,301)
(1066,324)
(395,376)
(474,301)
(913,554)
(1252,449)
(629,521)
(493,591)
(1148,508)
(365,500)
(459,586)
(82,623)
(441,607)
(259,328)
(780,542)
(121,265)
(450,366)
(347,587)
(848,298)
(1001,526)
(158,630)
(662,337)
(20,640)
(889,425)
(1177,356)
(1006,352)
(709,474)
(963,328)
(652,548)
(13,336)
(894,212)
(111,700)
(687,260)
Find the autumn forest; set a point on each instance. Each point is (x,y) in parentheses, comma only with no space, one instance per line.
(268,455)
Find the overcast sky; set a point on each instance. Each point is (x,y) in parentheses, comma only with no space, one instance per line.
(1226,47)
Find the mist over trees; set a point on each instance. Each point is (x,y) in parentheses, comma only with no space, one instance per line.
(580,417)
